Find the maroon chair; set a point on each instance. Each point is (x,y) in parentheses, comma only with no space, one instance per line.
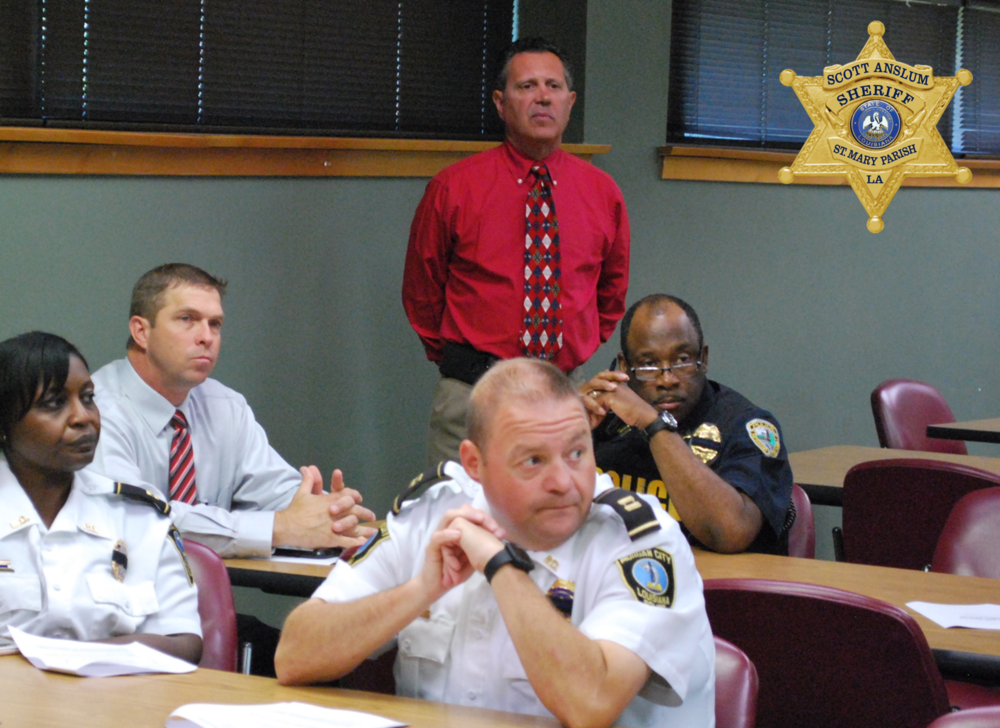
(828,658)
(215,606)
(802,535)
(976,718)
(903,408)
(736,687)
(970,540)
(894,510)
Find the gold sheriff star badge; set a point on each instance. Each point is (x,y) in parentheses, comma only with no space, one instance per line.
(876,122)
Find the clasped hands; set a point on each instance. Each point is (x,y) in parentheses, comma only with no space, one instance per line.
(464,542)
(319,519)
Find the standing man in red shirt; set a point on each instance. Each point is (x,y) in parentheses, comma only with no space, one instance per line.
(519,250)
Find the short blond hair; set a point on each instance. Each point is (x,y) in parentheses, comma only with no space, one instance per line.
(520,380)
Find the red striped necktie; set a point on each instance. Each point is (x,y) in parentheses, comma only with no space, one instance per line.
(543,320)
(182,486)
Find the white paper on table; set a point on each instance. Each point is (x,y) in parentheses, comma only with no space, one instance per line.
(272,715)
(95,659)
(975,616)
(303,560)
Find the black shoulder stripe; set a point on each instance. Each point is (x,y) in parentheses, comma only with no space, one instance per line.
(141,495)
(639,516)
(418,484)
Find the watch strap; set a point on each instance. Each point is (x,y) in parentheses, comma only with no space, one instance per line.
(664,421)
(506,556)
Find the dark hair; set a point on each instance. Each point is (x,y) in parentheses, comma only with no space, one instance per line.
(532,45)
(657,300)
(27,361)
(148,292)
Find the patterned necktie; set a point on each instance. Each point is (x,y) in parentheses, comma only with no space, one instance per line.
(182,486)
(542,335)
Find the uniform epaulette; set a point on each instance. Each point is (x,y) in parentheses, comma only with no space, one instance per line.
(426,478)
(141,495)
(639,516)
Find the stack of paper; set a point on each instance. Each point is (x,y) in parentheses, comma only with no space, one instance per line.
(273,715)
(95,659)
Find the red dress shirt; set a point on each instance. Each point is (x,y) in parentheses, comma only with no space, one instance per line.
(464,275)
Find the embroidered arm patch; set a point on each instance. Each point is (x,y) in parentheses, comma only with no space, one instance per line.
(765,436)
(382,534)
(649,575)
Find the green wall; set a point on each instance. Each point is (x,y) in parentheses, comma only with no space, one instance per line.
(805,311)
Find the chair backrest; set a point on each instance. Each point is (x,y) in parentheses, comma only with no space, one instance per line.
(973,718)
(903,408)
(736,687)
(894,510)
(802,535)
(970,540)
(827,657)
(215,605)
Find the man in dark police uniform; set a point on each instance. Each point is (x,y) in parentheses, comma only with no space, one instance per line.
(714,459)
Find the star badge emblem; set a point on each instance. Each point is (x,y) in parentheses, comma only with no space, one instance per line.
(875,121)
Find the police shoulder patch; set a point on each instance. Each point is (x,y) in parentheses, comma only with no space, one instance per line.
(649,575)
(382,534)
(418,484)
(638,515)
(141,495)
(765,436)
(175,538)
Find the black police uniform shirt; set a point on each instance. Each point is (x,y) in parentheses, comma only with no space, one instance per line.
(739,441)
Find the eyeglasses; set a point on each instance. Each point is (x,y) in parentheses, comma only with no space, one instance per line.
(681,371)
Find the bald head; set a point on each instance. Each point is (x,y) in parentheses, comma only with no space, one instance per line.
(514,380)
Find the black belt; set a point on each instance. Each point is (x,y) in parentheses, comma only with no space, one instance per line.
(464,363)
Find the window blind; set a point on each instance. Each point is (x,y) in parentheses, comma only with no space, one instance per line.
(386,67)
(727,55)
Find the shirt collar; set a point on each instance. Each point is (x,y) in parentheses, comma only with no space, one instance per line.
(152,406)
(80,512)
(520,165)
(701,410)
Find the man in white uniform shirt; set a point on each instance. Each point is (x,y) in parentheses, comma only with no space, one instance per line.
(241,498)
(512,587)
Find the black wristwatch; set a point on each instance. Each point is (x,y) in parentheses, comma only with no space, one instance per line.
(663,421)
(512,554)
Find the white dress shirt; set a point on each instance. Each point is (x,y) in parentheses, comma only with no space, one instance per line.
(462,653)
(241,480)
(58,581)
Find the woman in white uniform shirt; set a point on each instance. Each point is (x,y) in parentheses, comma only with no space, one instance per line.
(79,559)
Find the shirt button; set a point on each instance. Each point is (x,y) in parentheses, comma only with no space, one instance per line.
(479,634)
(56,587)
(406,645)
(472,695)
(519,181)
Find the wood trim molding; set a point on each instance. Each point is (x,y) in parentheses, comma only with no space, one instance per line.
(708,164)
(28,150)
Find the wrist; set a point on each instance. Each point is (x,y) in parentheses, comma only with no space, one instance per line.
(510,555)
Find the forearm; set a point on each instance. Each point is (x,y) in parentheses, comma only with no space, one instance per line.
(322,641)
(570,673)
(717,514)
(185,646)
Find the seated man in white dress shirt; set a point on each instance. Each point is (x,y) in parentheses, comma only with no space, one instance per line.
(168,425)
(521,581)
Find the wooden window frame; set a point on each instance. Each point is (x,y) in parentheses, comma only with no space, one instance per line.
(712,164)
(31,150)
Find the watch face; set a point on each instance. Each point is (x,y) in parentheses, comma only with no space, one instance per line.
(521,558)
